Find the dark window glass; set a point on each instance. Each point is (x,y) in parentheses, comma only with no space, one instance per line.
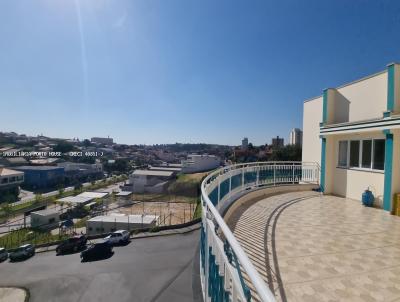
(379,154)
(366,154)
(354,153)
(342,154)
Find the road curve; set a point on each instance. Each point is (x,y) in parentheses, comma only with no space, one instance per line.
(149,269)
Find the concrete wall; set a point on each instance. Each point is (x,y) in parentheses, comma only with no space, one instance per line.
(312,116)
(98,227)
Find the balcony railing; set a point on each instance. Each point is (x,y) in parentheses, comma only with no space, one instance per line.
(223,261)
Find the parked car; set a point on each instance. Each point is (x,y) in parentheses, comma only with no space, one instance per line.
(3,254)
(23,252)
(97,250)
(118,237)
(73,244)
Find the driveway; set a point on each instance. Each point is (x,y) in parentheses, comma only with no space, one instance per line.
(150,269)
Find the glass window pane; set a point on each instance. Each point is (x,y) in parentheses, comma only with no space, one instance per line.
(379,154)
(342,161)
(354,153)
(366,154)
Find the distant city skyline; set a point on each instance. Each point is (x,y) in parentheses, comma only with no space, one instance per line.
(162,72)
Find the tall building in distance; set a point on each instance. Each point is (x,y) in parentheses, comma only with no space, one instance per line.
(245,143)
(102,140)
(277,142)
(296,137)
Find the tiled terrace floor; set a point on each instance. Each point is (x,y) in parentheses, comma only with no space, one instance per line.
(309,247)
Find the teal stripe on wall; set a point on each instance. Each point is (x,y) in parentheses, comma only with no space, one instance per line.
(387,191)
(325,106)
(323,155)
(390,92)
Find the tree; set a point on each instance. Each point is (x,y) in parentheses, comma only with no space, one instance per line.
(287,153)
(87,143)
(63,147)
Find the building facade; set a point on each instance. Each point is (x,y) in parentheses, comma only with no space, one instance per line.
(114,222)
(102,140)
(37,177)
(277,142)
(296,137)
(245,143)
(353,132)
(10,180)
(199,163)
(149,181)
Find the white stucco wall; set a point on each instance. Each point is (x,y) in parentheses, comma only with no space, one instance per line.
(312,116)
(367,98)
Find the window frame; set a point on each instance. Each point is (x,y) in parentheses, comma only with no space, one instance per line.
(360,154)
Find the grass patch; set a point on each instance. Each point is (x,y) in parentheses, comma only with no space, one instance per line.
(81,223)
(23,236)
(197,212)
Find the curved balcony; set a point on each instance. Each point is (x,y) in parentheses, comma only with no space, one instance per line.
(224,264)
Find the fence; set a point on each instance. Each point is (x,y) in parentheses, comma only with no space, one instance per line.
(223,261)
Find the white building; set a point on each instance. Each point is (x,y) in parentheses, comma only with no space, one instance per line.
(113,222)
(10,180)
(102,140)
(296,137)
(45,219)
(149,181)
(83,198)
(353,132)
(200,163)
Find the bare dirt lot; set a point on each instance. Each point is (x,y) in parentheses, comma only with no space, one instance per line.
(169,212)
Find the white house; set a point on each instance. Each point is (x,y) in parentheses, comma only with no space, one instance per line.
(150,181)
(45,219)
(353,131)
(200,163)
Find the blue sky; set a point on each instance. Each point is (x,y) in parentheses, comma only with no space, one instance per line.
(181,70)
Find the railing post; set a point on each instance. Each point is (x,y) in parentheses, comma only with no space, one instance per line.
(293,173)
(258,175)
(219,189)
(230,183)
(243,177)
(274,174)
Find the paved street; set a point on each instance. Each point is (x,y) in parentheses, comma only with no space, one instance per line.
(150,269)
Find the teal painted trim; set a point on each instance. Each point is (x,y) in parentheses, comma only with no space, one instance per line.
(323,155)
(390,92)
(387,188)
(386,114)
(325,106)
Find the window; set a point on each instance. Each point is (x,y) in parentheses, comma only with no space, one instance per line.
(354,153)
(342,162)
(366,154)
(379,154)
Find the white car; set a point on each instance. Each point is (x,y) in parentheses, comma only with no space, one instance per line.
(3,254)
(118,237)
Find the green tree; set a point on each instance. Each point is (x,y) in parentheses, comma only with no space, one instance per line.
(63,147)
(287,153)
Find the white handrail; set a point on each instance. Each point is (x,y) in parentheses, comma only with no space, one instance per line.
(263,292)
(260,286)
